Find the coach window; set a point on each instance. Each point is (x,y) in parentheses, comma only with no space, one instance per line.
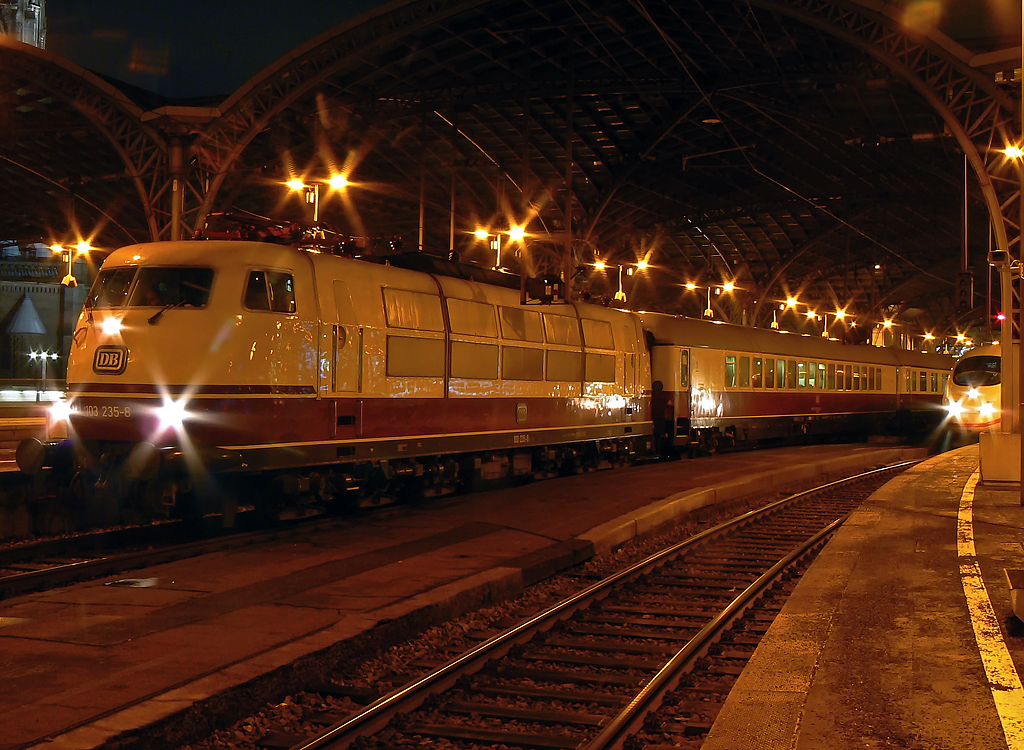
(840,382)
(924,381)
(858,384)
(755,375)
(730,371)
(769,372)
(270,290)
(791,374)
(945,379)
(849,377)
(878,378)
(780,374)
(801,374)
(684,369)
(744,372)
(821,375)
(871,378)
(831,377)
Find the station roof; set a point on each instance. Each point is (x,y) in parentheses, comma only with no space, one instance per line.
(725,140)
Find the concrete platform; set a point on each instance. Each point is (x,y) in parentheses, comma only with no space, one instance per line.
(886,641)
(86,663)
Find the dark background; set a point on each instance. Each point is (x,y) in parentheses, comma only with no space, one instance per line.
(183,50)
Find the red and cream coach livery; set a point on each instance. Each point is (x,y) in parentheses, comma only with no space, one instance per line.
(716,383)
(214,368)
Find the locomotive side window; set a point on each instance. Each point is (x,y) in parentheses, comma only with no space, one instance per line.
(755,377)
(597,334)
(270,290)
(561,329)
(769,372)
(472,318)
(159,287)
(684,369)
(563,365)
(731,371)
(520,325)
(945,380)
(878,378)
(111,288)
(474,361)
(599,368)
(744,372)
(413,310)
(520,363)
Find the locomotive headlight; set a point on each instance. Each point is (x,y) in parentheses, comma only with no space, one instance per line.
(973,393)
(110,326)
(987,409)
(172,414)
(60,411)
(955,409)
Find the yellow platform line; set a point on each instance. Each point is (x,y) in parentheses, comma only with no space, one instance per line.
(1007,692)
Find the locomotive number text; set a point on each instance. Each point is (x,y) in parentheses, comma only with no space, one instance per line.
(106,412)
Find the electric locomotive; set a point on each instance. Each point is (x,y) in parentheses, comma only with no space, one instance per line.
(199,368)
(972,396)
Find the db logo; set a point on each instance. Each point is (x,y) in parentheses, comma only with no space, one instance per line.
(110,360)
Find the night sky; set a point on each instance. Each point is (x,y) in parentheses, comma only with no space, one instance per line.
(208,49)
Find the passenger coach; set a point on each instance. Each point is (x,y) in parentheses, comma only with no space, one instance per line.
(716,383)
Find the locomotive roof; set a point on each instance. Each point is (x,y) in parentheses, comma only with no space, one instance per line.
(985,350)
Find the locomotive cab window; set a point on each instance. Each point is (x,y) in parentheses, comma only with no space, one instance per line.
(111,287)
(270,290)
(976,371)
(180,287)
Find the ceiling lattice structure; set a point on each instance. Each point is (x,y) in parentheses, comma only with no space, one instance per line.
(806,148)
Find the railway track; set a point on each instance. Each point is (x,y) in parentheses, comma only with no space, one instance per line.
(642,658)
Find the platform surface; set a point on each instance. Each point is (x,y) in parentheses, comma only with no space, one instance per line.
(876,648)
(84,663)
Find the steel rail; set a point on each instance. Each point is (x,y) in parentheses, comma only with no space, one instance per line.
(631,718)
(375,716)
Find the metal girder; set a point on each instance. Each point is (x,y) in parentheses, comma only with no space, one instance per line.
(141,148)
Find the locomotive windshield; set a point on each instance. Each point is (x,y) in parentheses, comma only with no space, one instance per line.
(151,286)
(977,371)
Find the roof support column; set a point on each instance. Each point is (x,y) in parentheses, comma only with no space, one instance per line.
(177,184)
